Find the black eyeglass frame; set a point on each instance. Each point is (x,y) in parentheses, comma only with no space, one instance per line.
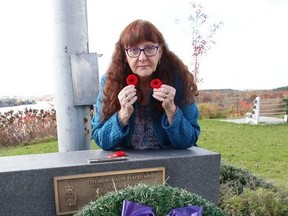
(142,50)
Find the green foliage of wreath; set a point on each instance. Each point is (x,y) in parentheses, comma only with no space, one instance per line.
(162,198)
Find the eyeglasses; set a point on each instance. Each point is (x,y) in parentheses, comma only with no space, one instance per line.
(135,52)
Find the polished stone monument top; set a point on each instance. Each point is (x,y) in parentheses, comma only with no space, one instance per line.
(79,158)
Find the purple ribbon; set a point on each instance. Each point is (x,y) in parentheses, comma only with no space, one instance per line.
(186,211)
(137,209)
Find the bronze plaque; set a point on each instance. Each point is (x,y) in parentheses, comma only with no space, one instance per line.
(74,191)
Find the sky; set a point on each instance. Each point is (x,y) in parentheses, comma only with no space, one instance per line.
(250,47)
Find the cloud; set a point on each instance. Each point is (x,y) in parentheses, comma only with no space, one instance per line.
(250,49)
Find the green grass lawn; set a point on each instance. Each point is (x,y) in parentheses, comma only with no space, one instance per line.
(261,149)
(46,147)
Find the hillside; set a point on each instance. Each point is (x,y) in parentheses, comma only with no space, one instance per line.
(217,95)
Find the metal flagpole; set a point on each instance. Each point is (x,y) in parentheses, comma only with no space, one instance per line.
(71,36)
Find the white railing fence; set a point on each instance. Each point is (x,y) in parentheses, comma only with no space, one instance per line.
(264,107)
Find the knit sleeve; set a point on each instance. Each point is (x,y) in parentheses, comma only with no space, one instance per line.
(184,130)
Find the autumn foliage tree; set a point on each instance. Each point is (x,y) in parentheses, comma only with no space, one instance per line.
(202,36)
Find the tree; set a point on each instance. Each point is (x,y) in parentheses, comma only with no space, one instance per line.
(201,36)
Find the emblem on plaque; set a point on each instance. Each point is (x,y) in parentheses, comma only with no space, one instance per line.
(70,197)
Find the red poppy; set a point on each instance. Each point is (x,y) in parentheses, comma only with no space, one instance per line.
(117,154)
(132,79)
(156,83)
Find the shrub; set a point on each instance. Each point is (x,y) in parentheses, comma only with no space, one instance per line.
(242,193)
(212,111)
(27,126)
(162,198)
(237,179)
(286,105)
(261,202)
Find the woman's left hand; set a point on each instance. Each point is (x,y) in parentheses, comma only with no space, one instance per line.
(166,94)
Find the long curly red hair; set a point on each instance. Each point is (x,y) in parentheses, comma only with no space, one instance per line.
(171,70)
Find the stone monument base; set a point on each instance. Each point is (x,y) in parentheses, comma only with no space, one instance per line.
(27,183)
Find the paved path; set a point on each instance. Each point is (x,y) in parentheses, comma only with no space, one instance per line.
(262,120)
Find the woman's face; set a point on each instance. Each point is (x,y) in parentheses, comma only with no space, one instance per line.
(143,58)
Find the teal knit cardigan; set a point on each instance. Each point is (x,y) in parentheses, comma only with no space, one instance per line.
(181,134)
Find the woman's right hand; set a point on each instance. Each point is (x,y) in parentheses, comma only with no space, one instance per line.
(127,97)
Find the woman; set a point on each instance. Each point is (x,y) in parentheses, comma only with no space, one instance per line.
(139,114)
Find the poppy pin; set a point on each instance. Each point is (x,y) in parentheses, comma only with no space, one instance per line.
(117,154)
(156,83)
(132,79)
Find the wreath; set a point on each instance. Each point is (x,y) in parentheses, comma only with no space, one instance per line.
(162,198)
